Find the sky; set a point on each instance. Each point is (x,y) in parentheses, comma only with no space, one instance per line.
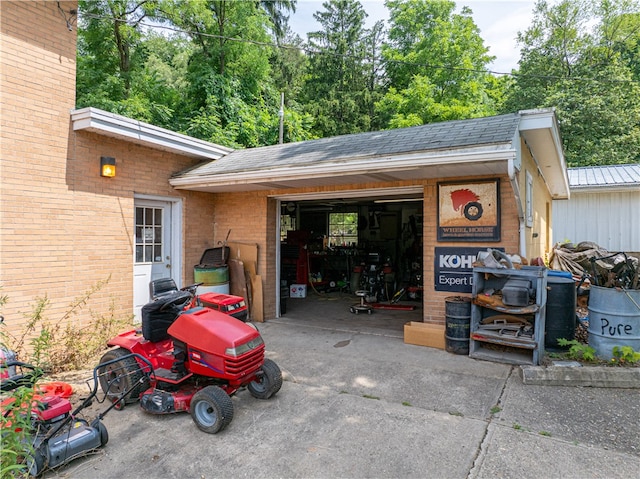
(499,22)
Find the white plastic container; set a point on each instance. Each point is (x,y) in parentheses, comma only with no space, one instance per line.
(298,291)
(216,288)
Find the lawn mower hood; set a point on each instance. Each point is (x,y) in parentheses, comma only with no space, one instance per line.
(214,332)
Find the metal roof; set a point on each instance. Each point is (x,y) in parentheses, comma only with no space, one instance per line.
(609,176)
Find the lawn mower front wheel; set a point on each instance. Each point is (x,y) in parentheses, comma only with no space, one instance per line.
(270,382)
(211,409)
(104,434)
(37,460)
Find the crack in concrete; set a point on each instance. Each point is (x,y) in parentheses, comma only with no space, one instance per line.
(486,438)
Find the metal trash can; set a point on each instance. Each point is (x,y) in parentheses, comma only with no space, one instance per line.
(614,320)
(458,324)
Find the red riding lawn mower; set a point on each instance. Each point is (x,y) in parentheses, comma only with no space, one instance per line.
(199,357)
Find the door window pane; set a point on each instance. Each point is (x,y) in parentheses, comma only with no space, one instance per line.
(149,235)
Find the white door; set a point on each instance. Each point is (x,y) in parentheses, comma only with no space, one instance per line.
(152,249)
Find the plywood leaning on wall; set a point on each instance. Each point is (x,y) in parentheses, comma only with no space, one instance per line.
(243,264)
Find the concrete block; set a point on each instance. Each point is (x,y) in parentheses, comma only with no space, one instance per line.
(586,376)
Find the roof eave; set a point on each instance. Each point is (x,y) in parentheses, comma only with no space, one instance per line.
(540,131)
(134,131)
(605,188)
(378,165)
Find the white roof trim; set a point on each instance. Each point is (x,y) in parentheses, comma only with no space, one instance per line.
(127,129)
(357,193)
(576,190)
(539,129)
(330,169)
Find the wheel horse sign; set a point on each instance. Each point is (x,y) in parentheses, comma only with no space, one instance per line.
(469,211)
(454,268)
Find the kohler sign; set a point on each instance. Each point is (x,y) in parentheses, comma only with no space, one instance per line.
(454,268)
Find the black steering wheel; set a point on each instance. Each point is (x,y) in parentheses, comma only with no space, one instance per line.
(177,299)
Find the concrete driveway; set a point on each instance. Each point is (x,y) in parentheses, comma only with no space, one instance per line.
(358,402)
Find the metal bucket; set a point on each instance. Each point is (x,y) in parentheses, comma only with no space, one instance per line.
(458,324)
(209,276)
(614,319)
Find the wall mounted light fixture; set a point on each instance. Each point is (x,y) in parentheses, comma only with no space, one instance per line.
(107,166)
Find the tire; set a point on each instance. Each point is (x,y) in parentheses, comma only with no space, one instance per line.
(119,377)
(270,382)
(102,429)
(473,211)
(37,461)
(211,409)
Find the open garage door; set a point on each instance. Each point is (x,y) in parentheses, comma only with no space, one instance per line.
(349,248)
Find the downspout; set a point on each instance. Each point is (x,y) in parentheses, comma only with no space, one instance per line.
(511,168)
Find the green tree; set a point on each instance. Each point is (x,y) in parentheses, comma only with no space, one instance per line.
(276,11)
(194,66)
(288,65)
(335,91)
(436,65)
(374,70)
(110,60)
(620,32)
(587,74)
(112,33)
(231,94)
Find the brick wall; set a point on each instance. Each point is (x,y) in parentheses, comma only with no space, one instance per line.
(64,227)
(38,91)
(434,301)
(252,218)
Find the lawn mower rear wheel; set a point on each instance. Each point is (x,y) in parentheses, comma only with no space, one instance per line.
(119,377)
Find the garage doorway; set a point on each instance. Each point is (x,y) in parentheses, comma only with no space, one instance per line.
(333,245)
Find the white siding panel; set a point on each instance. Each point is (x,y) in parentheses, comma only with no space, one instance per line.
(610,219)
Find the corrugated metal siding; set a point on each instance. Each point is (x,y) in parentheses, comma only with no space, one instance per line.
(610,219)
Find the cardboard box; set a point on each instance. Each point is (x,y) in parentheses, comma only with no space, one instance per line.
(424,334)
(298,291)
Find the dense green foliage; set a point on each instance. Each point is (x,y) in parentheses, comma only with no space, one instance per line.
(218,69)
(335,91)
(436,65)
(582,59)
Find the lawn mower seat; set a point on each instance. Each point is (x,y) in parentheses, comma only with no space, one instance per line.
(159,314)
(160,287)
